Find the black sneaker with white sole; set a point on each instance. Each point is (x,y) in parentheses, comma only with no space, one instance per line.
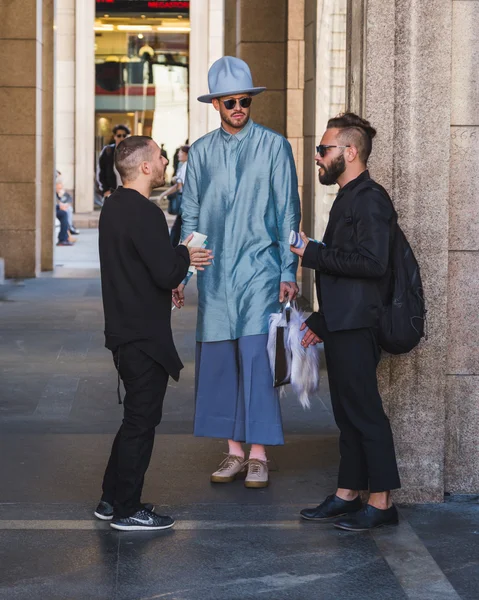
(104,510)
(143,520)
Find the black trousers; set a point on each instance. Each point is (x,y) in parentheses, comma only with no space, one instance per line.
(145,383)
(368,459)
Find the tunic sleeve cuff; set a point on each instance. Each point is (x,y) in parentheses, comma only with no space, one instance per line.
(289,275)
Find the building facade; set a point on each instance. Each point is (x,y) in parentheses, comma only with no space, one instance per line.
(407,65)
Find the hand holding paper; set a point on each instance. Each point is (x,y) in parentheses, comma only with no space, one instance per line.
(199,256)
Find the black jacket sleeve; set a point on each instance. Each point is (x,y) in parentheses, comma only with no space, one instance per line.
(313,323)
(168,266)
(372,213)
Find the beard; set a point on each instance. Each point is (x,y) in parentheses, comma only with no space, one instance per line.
(333,172)
(236,123)
(158,179)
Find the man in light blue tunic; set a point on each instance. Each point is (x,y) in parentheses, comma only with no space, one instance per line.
(241,191)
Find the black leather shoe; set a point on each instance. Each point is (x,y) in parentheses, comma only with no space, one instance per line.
(368,518)
(332,508)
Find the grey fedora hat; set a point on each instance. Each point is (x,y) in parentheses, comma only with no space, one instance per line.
(229,75)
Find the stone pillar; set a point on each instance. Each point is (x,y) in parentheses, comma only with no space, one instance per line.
(262,42)
(206,46)
(20,135)
(462,381)
(230,28)
(48,138)
(84,105)
(65,91)
(407,85)
(295,84)
(309,117)
(324,97)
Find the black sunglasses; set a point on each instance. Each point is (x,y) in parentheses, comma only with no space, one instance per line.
(322,149)
(243,102)
(121,135)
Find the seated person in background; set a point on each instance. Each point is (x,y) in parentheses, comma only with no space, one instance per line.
(62,216)
(108,178)
(65,202)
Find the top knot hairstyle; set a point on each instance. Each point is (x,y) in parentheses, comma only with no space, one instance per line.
(355,131)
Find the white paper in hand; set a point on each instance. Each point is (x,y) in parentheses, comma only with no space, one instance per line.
(198,241)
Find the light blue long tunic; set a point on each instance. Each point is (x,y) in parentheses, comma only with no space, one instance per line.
(242,192)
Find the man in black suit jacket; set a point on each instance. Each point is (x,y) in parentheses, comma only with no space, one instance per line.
(139,271)
(352,275)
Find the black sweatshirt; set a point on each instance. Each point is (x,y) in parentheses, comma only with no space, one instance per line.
(139,269)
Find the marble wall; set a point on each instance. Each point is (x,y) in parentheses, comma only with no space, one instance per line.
(462,381)
(407,98)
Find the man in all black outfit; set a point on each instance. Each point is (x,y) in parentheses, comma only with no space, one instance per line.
(108,177)
(139,270)
(352,274)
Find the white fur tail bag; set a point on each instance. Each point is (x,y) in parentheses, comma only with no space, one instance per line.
(303,363)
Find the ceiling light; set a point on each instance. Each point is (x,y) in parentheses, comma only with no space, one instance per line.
(134,28)
(104,28)
(175,29)
(140,36)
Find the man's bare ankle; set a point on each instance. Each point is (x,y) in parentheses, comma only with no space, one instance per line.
(382,500)
(347,495)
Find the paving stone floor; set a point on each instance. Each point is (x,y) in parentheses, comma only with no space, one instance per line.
(58,415)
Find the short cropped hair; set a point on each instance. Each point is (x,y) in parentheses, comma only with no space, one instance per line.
(130,153)
(117,128)
(355,131)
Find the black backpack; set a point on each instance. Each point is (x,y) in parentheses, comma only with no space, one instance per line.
(403,318)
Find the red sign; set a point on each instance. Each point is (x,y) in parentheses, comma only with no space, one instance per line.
(143,6)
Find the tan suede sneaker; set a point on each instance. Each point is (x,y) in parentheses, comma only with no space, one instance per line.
(257,476)
(229,469)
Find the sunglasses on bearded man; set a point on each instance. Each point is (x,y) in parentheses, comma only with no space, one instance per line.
(322,149)
(243,102)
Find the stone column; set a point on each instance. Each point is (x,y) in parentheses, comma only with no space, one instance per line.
(84,105)
(230,28)
(309,116)
(295,84)
(215,50)
(206,46)
(324,97)
(462,381)
(262,42)
(20,136)
(48,138)
(407,98)
(65,91)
